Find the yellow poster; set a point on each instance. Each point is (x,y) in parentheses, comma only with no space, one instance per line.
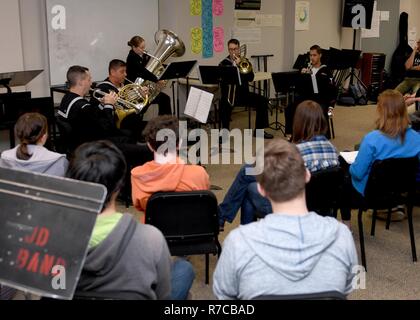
(195,7)
(196,40)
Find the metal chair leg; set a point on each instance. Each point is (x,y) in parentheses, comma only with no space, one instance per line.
(374,215)
(388,218)
(411,229)
(362,239)
(207,268)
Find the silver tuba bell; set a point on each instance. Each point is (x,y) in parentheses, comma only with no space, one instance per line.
(168,44)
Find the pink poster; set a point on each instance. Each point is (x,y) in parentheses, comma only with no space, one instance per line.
(219,39)
(218,7)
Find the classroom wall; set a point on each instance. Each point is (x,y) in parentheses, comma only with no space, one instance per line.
(325,26)
(35,44)
(178,19)
(10,35)
(23,28)
(388,41)
(412,7)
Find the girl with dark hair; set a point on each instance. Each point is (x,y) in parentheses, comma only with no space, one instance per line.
(32,132)
(309,128)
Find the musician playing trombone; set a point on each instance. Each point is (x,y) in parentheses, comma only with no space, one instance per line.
(232,95)
(89,122)
(137,60)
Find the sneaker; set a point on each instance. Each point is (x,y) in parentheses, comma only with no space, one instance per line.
(395,215)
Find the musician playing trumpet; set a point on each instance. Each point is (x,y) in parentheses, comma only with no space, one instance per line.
(137,60)
(232,95)
(320,89)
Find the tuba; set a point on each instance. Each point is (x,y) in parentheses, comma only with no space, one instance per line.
(168,44)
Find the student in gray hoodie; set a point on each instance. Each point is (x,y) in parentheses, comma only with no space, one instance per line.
(30,154)
(126,259)
(292,251)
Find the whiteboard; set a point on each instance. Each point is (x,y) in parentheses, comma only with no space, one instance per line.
(96,31)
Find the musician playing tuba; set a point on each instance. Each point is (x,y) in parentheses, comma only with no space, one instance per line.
(127,118)
(239,95)
(137,60)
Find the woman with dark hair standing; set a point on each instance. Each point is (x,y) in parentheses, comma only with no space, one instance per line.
(136,68)
(30,154)
(309,128)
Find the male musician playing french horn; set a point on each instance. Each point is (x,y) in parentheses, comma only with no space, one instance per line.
(90,122)
(242,96)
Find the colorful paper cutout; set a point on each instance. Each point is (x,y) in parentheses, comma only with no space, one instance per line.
(196,40)
(218,7)
(219,39)
(195,7)
(207,25)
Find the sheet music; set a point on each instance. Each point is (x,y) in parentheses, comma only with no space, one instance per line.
(349,156)
(198,104)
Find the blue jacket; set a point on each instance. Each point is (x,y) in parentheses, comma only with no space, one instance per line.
(378,146)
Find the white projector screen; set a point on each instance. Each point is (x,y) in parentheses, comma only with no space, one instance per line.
(95,32)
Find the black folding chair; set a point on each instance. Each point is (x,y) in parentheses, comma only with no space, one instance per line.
(189,222)
(324,190)
(391,182)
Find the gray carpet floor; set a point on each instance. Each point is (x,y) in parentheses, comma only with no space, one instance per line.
(391,274)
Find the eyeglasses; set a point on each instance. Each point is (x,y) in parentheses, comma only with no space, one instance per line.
(233,49)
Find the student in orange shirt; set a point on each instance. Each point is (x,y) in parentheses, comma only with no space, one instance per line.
(167,172)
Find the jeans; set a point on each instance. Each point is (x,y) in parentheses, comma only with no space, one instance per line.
(182,277)
(243,194)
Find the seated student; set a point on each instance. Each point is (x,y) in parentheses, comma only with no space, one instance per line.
(167,172)
(30,154)
(393,138)
(318,153)
(126,260)
(411,82)
(291,251)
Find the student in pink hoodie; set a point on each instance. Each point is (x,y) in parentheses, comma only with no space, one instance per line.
(167,172)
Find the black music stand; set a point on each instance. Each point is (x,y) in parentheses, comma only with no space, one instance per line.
(220,75)
(284,82)
(18,78)
(177,70)
(301,62)
(352,58)
(45,221)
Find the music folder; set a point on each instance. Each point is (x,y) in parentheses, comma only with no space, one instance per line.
(176,70)
(218,74)
(46,223)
